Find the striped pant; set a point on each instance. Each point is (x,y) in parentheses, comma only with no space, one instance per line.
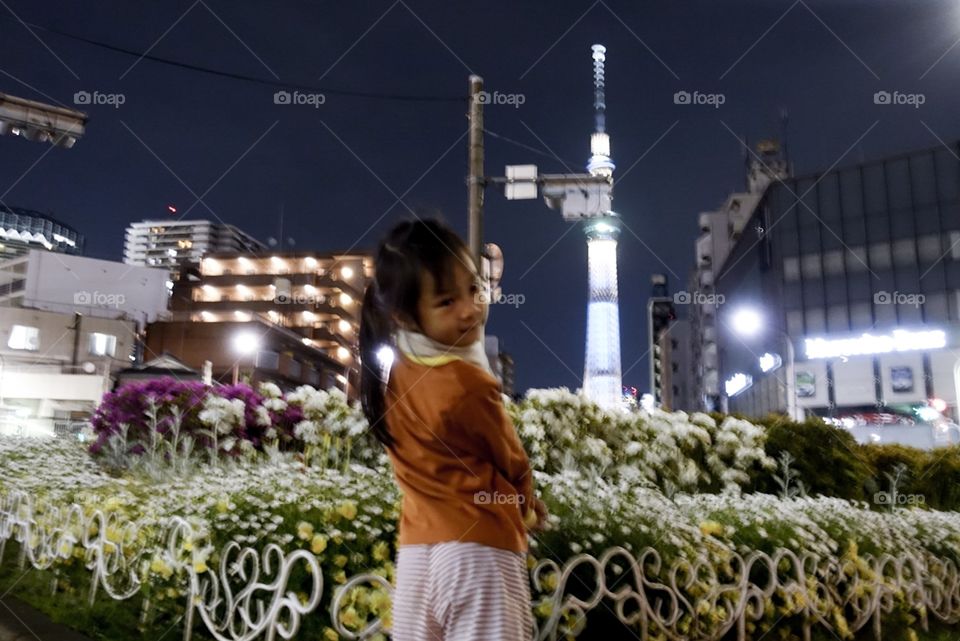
(461,592)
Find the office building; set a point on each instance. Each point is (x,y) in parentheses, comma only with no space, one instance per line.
(851,279)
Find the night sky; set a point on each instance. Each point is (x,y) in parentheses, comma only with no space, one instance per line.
(343,173)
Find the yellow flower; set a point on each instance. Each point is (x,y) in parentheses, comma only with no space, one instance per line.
(160,566)
(381,551)
(379,601)
(304,530)
(318,544)
(711,528)
(340,577)
(200,567)
(223,506)
(188,546)
(114,534)
(330,634)
(340,560)
(544,609)
(348,510)
(349,618)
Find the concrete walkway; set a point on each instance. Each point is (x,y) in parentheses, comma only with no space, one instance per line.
(21,622)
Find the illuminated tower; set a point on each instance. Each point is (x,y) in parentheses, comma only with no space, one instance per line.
(601,377)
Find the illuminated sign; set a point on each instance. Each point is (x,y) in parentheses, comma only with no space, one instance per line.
(901,340)
(737,383)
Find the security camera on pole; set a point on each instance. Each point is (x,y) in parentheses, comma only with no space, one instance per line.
(580,197)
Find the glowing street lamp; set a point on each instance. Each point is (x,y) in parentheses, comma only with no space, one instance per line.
(749,322)
(245,343)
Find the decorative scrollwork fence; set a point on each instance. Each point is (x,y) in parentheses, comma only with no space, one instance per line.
(248,595)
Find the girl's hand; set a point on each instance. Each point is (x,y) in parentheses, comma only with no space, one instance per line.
(540,508)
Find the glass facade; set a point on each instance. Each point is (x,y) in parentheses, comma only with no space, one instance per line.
(871,247)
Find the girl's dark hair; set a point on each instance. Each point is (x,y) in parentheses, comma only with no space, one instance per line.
(411,248)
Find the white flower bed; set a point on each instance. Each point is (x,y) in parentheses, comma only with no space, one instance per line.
(609,479)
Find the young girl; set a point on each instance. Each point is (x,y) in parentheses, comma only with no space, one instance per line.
(468,496)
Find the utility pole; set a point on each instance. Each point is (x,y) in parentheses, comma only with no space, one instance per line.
(475,180)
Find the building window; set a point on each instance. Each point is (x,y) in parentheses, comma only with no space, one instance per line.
(954,247)
(24,337)
(102,344)
(880,256)
(791,268)
(795,322)
(810,265)
(904,252)
(833,262)
(930,250)
(856,259)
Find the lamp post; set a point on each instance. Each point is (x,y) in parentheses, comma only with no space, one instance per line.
(245,343)
(748,322)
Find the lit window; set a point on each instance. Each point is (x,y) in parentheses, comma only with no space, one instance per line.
(102,344)
(23,337)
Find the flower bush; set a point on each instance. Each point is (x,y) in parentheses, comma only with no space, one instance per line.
(298,470)
(673,451)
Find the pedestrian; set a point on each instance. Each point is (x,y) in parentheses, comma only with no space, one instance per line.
(431,399)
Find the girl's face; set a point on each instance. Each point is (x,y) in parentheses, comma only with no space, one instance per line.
(452,314)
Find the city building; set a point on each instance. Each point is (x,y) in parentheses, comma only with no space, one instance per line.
(56,366)
(168,244)
(660,315)
(22,230)
(316,296)
(719,231)
(76,284)
(673,347)
(842,294)
(67,325)
(254,350)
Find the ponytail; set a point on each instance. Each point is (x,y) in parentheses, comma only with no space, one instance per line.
(375,332)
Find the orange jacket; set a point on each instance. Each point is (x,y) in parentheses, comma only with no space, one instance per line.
(457,457)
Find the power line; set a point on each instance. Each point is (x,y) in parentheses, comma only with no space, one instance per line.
(239,76)
(529,148)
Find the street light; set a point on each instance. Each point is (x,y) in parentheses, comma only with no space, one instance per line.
(749,322)
(245,343)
